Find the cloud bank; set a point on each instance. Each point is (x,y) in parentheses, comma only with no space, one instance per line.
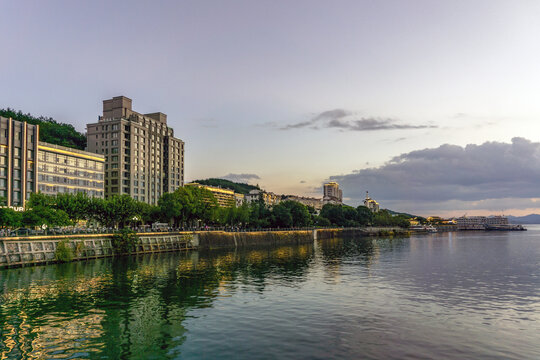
(494,175)
(346,120)
(241,178)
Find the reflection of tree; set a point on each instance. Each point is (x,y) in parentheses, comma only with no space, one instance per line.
(129,307)
(361,250)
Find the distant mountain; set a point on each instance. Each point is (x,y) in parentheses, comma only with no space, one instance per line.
(227,184)
(527,219)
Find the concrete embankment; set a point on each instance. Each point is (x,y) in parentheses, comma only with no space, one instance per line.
(222,239)
(33,250)
(23,251)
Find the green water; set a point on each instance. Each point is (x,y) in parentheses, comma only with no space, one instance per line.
(467,295)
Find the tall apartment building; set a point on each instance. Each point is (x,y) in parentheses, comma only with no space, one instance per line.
(18,165)
(142,157)
(28,165)
(332,193)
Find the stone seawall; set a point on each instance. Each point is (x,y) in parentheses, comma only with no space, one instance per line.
(42,249)
(221,239)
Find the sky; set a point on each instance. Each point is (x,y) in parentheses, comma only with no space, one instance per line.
(431,106)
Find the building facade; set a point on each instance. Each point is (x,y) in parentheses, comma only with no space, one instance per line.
(64,170)
(332,194)
(28,166)
(371,204)
(224,197)
(142,157)
(268,198)
(18,165)
(315,203)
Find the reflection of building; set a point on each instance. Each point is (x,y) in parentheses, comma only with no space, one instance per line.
(65,170)
(142,157)
(28,165)
(308,201)
(332,193)
(267,197)
(371,204)
(224,197)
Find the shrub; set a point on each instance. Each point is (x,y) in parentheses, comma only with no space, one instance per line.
(124,241)
(64,252)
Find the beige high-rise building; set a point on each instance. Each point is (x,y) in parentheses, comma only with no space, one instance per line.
(142,157)
(332,193)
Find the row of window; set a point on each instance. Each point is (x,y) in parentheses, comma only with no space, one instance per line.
(70,172)
(68,181)
(69,160)
(16,173)
(57,189)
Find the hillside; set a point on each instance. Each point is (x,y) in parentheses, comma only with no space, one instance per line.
(528,219)
(50,130)
(227,184)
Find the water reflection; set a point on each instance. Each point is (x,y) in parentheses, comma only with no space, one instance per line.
(129,307)
(431,296)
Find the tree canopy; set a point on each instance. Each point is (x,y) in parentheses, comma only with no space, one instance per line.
(50,130)
(239,188)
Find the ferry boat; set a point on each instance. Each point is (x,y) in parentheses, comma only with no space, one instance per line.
(505,227)
(422,228)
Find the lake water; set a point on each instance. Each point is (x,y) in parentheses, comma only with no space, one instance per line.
(472,295)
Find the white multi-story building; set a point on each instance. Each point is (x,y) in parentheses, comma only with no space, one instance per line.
(480,222)
(371,204)
(268,198)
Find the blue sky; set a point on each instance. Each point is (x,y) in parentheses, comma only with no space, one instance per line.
(297,92)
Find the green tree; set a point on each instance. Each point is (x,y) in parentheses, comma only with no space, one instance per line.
(281,216)
(364,215)
(171,207)
(300,213)
(77,206)
(50,130)
(334,213)
(39,199)
(10,218)
(38,216)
